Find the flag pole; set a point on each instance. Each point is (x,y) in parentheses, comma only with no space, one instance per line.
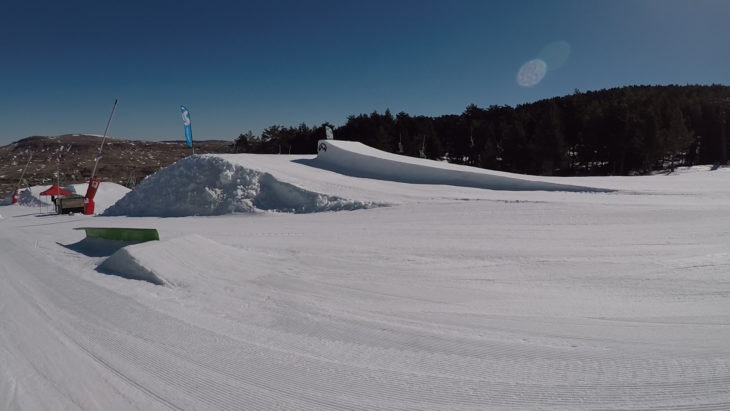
(23,173)
(98,156)
(94,182)
(14,198)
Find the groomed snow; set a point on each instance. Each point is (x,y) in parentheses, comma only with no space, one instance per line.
(449,298)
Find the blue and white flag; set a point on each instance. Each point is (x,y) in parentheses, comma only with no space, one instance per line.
(186,121)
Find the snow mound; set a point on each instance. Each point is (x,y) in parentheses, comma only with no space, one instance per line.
(124,264)
(107,194)
(180,262)
(358,160)
(27,198)
(208,185)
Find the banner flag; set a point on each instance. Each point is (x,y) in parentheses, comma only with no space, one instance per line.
(186,121)
(328,131)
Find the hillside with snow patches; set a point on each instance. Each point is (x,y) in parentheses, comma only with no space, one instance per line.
(356,279)
(70,157)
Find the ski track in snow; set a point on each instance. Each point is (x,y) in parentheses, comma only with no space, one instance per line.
(451,298)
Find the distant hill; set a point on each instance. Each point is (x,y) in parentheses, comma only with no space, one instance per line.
(124,162)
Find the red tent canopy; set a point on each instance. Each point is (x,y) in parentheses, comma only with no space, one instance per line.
(55,190)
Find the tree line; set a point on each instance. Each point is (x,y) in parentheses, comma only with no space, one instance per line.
(619,131)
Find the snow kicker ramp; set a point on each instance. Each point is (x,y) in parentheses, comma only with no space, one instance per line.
(181,262)
(358,160)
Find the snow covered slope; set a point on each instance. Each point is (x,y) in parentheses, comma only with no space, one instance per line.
(451,298)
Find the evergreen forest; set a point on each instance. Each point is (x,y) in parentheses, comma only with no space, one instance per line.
(620,131)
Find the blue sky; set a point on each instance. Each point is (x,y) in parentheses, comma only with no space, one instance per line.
(246,65)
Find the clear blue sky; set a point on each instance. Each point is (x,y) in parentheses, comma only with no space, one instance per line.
(246,65)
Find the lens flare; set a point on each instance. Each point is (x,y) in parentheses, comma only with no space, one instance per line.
(531,73)
(555,54)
